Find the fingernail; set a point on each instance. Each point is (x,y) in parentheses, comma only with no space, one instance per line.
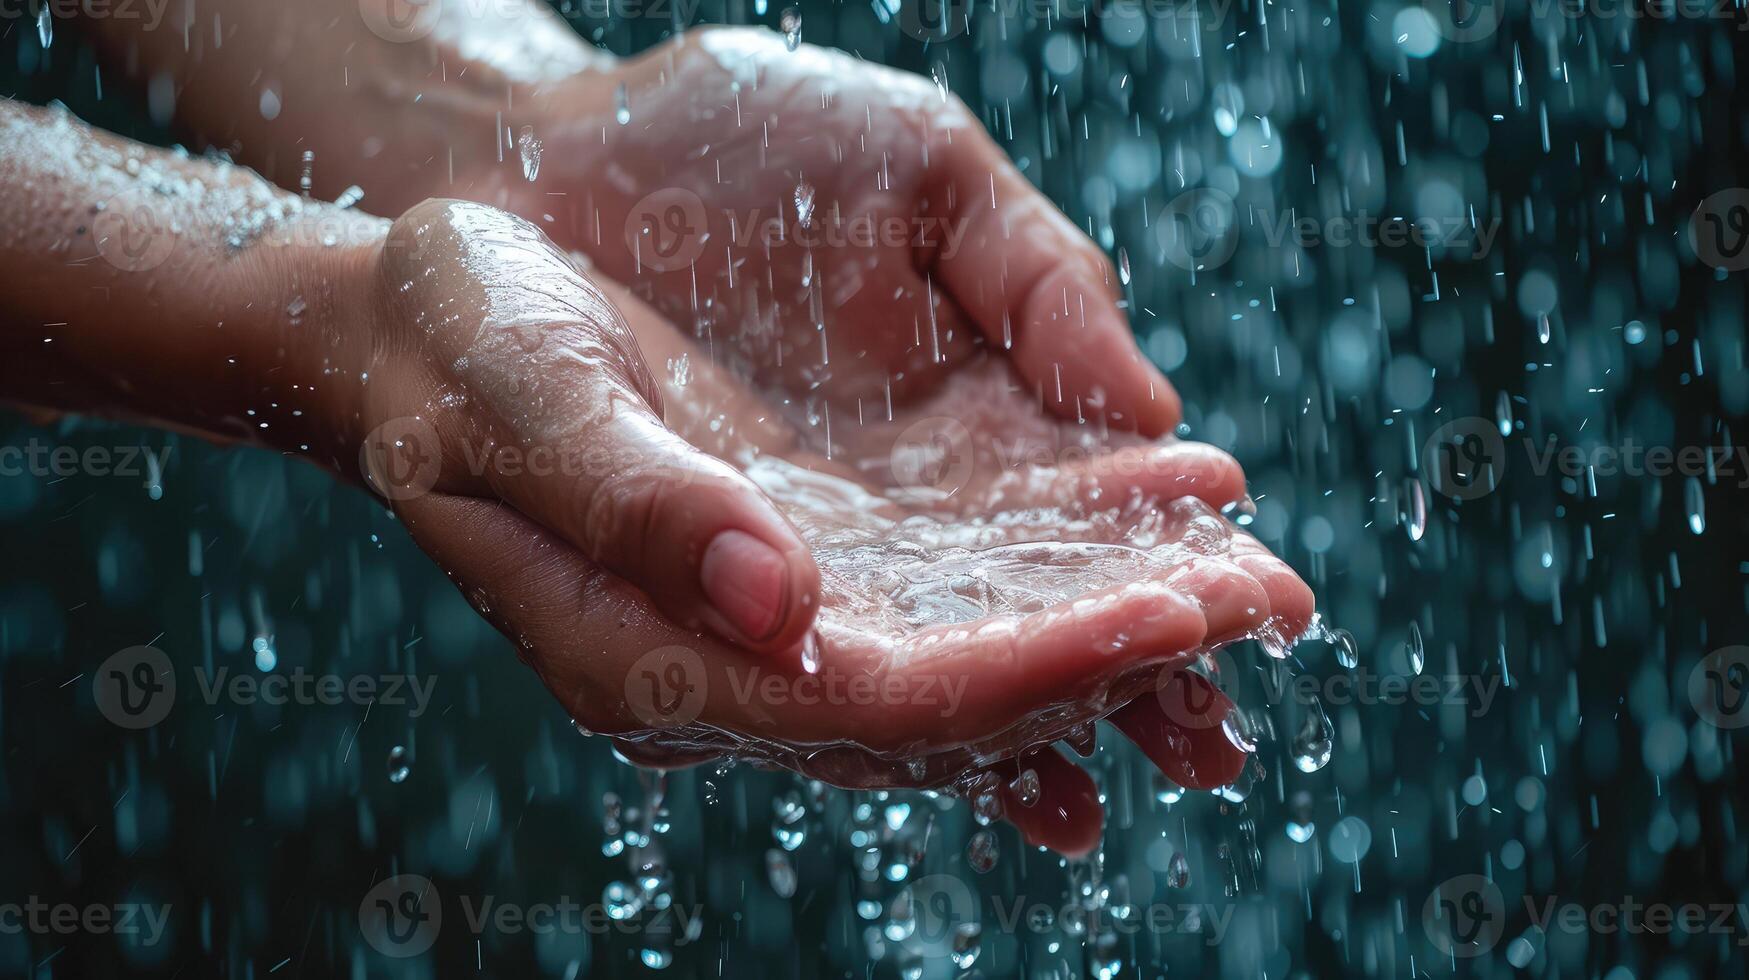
(747,581)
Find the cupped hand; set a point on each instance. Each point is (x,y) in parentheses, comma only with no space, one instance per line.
(500,373)
(800,211)
(968,616)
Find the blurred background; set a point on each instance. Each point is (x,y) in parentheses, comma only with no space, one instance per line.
(1446,278)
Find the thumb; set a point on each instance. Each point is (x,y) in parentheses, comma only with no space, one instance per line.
(698,537)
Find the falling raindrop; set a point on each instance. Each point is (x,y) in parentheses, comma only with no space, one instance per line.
(529,146)
(1415,520)
(1178,870)
(1696,506)
(1123,265)
(1314,742)
(400,764)
(967,944)
(621,901)
(1415,648)
(45,23)
(791,22)
(805,204)
(1347,651)
(622,105)
(780,872)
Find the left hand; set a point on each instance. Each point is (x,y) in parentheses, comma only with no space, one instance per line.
(804,210)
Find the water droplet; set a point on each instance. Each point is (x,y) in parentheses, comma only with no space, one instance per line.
(1313,744)
(1167,791)
(1026,787)
(805,204)
(621,901)
(780,872)
(1084,739)
(1123,266)
(1696,506)
(528,145)
(45,23)
(967,944)
(986,808)
(981,852)
(1415,518)
(1178,871)
(400,764)
(1239,730)
(791,22)
(622,105)
(1415,648)
(1347,651)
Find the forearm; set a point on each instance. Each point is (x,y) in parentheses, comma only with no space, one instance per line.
(142,283)
(405,100)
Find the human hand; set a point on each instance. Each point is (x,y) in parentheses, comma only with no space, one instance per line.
(983,616)
(501,373)
(803,211)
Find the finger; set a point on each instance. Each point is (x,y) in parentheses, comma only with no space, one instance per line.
(1116,477)
(1234,604)
(1040,288)
(699,538)
(1291,603)
(1181,731)
(1062,813)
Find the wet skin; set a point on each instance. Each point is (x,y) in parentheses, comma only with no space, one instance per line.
(468,320)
